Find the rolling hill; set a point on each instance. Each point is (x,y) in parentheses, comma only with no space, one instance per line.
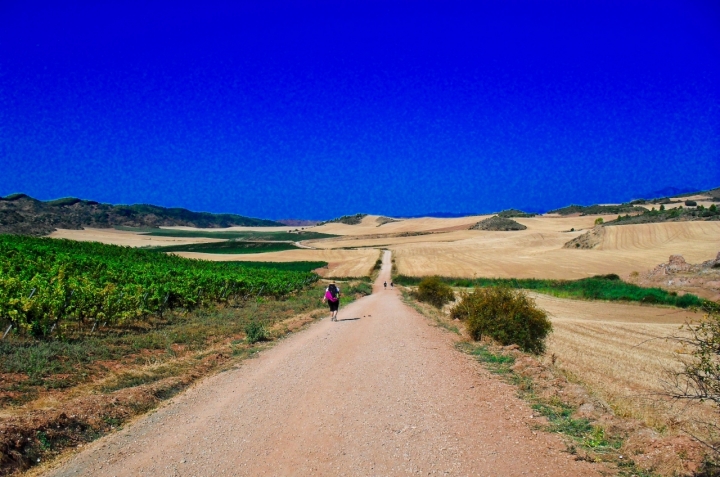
(21,214)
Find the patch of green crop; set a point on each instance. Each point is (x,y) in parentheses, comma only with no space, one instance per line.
(605,287)
(229,247)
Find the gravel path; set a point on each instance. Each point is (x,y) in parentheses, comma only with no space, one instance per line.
(381,392)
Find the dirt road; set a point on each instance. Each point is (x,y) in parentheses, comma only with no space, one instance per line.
(381,392)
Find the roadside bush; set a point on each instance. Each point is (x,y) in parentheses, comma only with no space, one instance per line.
(599,221)
(505,315)
(256,331)
(432,290)
(690,203)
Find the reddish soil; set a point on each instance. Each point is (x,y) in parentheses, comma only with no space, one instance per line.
(381,392)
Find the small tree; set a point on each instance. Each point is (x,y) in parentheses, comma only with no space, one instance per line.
(698,379)
(599,221)
(690,203)
(432,290)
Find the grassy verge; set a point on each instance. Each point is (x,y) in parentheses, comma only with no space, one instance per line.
(229,247)
(97,383)
(608,287)
(586,439)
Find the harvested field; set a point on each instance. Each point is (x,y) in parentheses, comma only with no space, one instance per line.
(538,251)
(341,263)
(123,237)
(618,352)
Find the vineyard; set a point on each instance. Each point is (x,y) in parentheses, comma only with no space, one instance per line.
(52,286)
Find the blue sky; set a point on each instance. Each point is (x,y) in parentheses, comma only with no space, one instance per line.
(313,109)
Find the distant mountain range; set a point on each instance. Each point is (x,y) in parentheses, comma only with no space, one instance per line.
(21,214)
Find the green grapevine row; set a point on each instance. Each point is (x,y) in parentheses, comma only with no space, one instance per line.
(46,283)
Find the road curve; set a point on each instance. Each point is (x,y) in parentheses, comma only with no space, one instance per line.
(379,393)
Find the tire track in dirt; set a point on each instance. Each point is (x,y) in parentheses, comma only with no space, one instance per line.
(381,392)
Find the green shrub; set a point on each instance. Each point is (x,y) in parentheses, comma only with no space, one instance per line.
(505,315)
(599,221)
(361,288)
(256,331)
(690,203)
(432,290)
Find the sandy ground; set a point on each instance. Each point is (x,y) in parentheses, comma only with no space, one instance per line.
(121,237)
(381,392)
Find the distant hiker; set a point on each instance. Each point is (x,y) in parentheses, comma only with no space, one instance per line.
(332,296)
(392,284)
(385,285)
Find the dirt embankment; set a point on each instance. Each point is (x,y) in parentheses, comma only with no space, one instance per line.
(590,239)
(701,279)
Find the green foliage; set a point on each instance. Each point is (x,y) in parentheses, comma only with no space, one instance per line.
(699,378)
(606,287)
(432,290)
(664,215)
(284,266)
(496,363)
(47,283)
(346,219)
(505,315)
(229,247)
(690,203)
(599,221)
(255,332)
(360,288)
(597,209)
(511,213)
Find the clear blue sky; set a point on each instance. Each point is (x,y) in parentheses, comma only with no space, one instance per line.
(313,109)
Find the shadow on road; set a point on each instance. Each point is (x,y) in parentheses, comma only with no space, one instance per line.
(348,319)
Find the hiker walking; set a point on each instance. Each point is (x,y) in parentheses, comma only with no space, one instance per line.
(392,285)
(385,285)
(332,297)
